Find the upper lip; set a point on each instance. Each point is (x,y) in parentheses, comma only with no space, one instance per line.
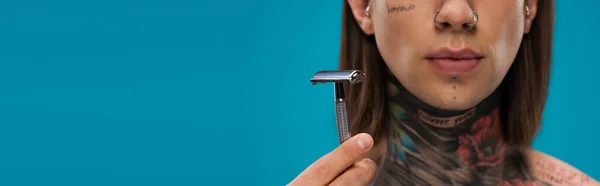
(450,53)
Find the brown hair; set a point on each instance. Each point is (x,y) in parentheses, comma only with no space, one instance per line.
(525,85)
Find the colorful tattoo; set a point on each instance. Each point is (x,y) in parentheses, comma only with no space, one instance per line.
(428,146)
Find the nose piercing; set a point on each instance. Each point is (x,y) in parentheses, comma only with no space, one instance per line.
(470,25)
(438,25)
(475,20)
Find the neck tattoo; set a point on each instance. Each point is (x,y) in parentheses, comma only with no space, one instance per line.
(430,146)
(447,122)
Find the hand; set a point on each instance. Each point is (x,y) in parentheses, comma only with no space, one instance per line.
(341,166)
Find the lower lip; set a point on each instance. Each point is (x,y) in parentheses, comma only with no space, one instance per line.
(454,66)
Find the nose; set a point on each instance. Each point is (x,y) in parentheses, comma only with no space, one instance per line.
(455,15)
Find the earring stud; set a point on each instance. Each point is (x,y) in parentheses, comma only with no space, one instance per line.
(527,10)
(368,10)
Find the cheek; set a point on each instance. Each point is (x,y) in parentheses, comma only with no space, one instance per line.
(392,40)
(401,35)
(504,42)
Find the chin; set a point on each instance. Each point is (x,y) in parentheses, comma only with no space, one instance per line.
(451,99)
(445,92)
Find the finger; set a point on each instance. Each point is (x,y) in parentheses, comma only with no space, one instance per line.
(359,174)
(328,167)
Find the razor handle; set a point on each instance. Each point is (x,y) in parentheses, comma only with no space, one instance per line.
(341,117)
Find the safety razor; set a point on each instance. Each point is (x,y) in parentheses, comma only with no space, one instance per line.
(339,78)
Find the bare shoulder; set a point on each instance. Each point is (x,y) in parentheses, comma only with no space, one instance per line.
(556,172)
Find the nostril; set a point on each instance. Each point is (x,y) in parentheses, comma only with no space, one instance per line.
(455,18)
(442,25)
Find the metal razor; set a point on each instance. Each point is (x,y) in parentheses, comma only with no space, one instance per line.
(339,77)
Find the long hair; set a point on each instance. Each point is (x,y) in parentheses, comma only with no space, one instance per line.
(525,86)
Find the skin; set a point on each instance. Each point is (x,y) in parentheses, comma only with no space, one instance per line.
(431,146)
(446,128)
(405,37)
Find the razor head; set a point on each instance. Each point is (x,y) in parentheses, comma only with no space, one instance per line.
(338,76)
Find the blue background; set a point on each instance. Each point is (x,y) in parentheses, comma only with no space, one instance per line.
(211,92)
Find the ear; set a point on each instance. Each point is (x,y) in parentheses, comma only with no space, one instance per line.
(359,10)
(532,5)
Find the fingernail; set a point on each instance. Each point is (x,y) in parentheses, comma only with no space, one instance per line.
(373,165)
(364,142)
